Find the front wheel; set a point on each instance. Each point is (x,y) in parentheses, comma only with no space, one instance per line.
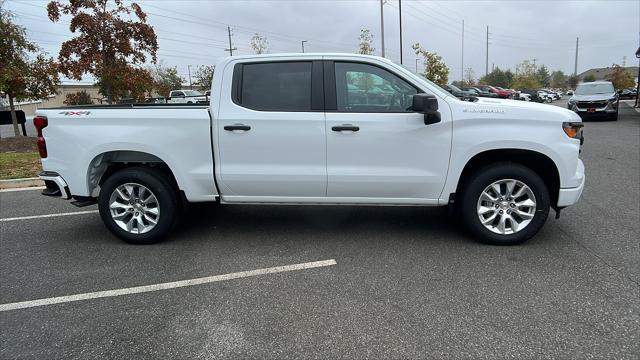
(505,204)
(138,205)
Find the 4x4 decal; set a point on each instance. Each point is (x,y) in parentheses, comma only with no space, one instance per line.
(72,113)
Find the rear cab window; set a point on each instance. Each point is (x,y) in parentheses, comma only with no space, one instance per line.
(273,86)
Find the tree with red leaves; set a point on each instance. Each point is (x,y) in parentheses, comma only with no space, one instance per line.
(111,44)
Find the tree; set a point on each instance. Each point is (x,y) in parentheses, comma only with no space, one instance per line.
(259,44)
(620,77)
(165,79)
(366,40)
(78,98)
(572,81)
(558,79)
(589,78)
(498,77)
(204,76)
(434,67)
(543,77)
(469,76)
(111,39)
(20,77)
(525,77)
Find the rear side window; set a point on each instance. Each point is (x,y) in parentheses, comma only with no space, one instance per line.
(283,86)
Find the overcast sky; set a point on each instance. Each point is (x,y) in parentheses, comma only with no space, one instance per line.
(195,32)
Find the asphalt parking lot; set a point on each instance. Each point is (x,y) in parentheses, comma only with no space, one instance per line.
(406,283)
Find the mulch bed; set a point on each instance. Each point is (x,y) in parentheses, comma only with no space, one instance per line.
(18,144)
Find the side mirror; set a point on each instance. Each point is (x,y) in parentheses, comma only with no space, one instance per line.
(423,103)
(619,91)
(426,104)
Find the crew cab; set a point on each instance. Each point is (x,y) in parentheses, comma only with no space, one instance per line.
(314,129)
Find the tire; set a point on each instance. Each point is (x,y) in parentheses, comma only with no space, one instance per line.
(162,208)
(516,229)
(613,117)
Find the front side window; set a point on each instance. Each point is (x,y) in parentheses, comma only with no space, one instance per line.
(284,86)
(368,88)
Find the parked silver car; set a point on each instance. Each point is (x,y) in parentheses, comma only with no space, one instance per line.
(595,99)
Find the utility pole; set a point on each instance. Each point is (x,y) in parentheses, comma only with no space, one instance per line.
(486,66)
(417,65)
(534,64)
(400,14)
(302,42)
(575,65)
(189,70)
(231,48)
(382,25)
(462,65)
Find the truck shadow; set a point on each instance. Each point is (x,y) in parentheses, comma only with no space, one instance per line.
(331,222)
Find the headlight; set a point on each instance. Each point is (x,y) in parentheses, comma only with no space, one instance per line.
(572,129)
(572,101)
(613,100)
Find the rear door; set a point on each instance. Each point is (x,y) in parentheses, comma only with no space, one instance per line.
(377,147)
(271,132)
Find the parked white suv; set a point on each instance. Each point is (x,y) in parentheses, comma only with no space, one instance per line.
(186,97)
(317,129)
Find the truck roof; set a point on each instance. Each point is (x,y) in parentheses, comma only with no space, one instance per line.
(301,55)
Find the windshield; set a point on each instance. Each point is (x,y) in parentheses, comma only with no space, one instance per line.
(192,93)
(592,89)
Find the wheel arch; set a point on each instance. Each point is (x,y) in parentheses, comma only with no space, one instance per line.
(538,162)
(109,162)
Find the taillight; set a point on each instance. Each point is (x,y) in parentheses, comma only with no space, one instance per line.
(41,122)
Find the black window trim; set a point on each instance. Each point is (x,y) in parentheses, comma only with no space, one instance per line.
(330,91)
(317,84)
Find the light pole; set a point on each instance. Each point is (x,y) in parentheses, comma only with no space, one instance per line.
(302,42)
(417,65)
(382,25)
(400,16)
(189,70)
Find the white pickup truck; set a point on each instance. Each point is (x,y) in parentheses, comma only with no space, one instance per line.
(316,129)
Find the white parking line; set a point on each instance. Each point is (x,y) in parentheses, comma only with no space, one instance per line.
(49,215)
(23,189)
(163,286)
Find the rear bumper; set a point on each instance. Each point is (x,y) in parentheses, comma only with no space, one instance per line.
(570,196)
(55,185)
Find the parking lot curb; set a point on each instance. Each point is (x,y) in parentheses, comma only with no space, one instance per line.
(20,183)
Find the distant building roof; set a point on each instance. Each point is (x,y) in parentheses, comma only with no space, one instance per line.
(603,73)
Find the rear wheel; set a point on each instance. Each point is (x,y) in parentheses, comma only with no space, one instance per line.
(139,205)
(505,204)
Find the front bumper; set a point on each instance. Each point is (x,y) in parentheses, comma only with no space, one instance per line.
(570,196)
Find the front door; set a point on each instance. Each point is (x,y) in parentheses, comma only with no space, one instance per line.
(377,147)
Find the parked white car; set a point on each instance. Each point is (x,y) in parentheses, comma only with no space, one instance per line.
(302,129)
(186,97)
(524,96)
(548,98)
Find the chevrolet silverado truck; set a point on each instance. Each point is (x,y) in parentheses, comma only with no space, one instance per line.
(316,129)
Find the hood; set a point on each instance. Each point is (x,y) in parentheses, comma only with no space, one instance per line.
(517,109)
(594,97)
